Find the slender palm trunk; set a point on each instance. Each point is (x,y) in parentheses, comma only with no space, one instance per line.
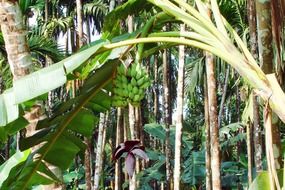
(155,90)
(215,150)
(221,111)
(167,119)
(208,137)
(179,121)
(132,121)
(99,152)
(87,164)
(79,22)
(257,136)
(119,139)
(263,10)
(249,151)
(254,51)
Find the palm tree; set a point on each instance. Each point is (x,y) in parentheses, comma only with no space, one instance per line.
(19,61)
(265,47)
(179,121)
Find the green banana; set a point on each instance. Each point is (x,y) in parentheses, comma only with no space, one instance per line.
(131,95)
(135,90)
(124,79)
(125,86)
(141,81)
(130,87)
(136,98)
(120,69)
(133,70)
(133,82)
(145,85)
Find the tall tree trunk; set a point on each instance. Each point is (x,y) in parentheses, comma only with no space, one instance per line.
(87,164)
(257,135)
(263,11)
(99,152)
(215,150)
(79,22)
(249,151)
(11,22)
(254,51)
(221,111)
(132,118)
(167,119)
(155,90)
(208,137)
(179,120)
(132,180)
(119,139)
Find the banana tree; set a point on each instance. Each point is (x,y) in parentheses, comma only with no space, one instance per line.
(58,131)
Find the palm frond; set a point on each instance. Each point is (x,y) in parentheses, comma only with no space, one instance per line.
(95,11)
(41,47)
(235,12)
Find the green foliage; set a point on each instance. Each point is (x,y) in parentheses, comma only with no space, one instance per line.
(262,181)
(27,5)
(97,9)
(14,160)
(113,19)
(194,74)
(41,47)
(59,133)
(43,81)
(12,128)
(194,168)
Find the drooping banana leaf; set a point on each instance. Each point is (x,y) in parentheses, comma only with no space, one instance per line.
(17,158)
(40,82)
(60,135)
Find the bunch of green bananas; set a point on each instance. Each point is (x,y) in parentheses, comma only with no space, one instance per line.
(130,85)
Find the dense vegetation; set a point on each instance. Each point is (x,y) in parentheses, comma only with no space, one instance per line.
(173,95)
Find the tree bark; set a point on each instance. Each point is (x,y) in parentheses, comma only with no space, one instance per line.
(257,136)
(167,120)
(132,180)
(208,137)
(14,35)
(79,22)
(263,11)
(249,152)
(155,90)
(179,112)
(256,120)
(99,152)
(215,151)
(221,111)
(119,139)
(87,164)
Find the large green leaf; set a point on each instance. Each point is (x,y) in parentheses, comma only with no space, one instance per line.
(60,142)
(12,128)
(61,153)
(6,167)
(158,131)
(41,82)
(262,181)
(112,20)
(83,122)
(194,168)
